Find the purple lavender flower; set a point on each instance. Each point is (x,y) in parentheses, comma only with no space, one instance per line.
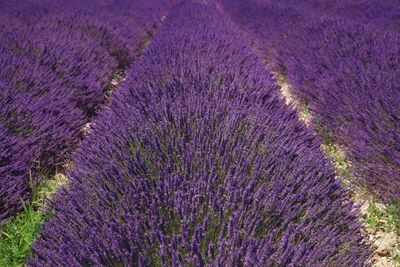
(198,161)
(54,69)
(348,75)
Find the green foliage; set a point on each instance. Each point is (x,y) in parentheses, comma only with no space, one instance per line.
(397,257)
(387,218)
(17,235)
(393,221)
(393,213)
(374,216)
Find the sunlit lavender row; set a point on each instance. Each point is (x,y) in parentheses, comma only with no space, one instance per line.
(55,68)
(171,132)
(345,70)
(197,161)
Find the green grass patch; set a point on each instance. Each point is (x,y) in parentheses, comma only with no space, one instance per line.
(17,235)
(386,218)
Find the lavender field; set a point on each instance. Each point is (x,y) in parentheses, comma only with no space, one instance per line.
(199,133)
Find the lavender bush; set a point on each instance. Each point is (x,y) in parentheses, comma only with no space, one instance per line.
(198,161)
(40,125)
(54,69)
(37,132)
(381,13)
(347,74)
(83,66)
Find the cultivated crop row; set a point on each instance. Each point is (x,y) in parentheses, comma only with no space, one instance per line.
(348,75)
(55,68)
(198,161)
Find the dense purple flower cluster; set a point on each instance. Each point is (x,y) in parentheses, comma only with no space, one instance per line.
(54,70)
(83,66)
(38,127)
(197,161)
(347,73)
(382,13)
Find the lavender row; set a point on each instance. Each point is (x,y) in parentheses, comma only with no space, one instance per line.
(348,75)
(119,26)
(197,161)
(53,75)
(381,13)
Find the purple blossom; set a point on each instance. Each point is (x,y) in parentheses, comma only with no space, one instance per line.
(54,70)
(346,72)
(198,161)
